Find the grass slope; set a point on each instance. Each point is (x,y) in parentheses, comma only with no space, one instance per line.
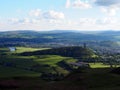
(7,72)
(99,77)
(36,63)
(75,51)
(28,49)
(101,65)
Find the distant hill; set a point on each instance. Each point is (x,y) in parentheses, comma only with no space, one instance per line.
(62,34)
(59,38)
(76,52)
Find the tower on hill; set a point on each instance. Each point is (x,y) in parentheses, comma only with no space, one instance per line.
(84,45)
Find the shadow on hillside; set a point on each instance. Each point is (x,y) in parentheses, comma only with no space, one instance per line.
(102,79)
(32,83)
(65,66)
(90,79)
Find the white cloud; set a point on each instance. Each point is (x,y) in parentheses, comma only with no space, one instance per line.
(35,13)
(110,11)
(35,21)
(26,20)
(88,21)
(51,24)
(19,21)
(13,20)
(109,7)
(68,3)
(108,21)
(37,16)
(53,15)
(78,4)
(99,21)
(50,20)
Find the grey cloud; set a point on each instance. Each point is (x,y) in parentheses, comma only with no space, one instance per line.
(107,2)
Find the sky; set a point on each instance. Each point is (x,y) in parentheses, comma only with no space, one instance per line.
(44,15)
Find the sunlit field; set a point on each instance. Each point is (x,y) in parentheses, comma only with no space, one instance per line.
(17,65)
(101,65)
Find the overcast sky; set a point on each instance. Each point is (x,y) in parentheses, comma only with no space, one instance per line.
(59,15)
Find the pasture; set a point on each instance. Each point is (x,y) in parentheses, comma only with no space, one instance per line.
(101,65)
(30,65)
(26,72)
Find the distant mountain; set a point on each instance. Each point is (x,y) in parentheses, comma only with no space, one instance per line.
(69,34)
(59,38)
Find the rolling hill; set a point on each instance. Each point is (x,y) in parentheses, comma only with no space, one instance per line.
(107,40)
(59,36)
(75,52)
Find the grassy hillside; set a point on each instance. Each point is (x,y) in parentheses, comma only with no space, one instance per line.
(30,65)
(101,79)
(27,49)
(9,72)
(24,72)
(76,52)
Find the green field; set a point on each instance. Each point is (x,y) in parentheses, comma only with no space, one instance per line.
(27,49)
(30,65)
(27,71)
(101,65)
(7,72)
(20,50)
